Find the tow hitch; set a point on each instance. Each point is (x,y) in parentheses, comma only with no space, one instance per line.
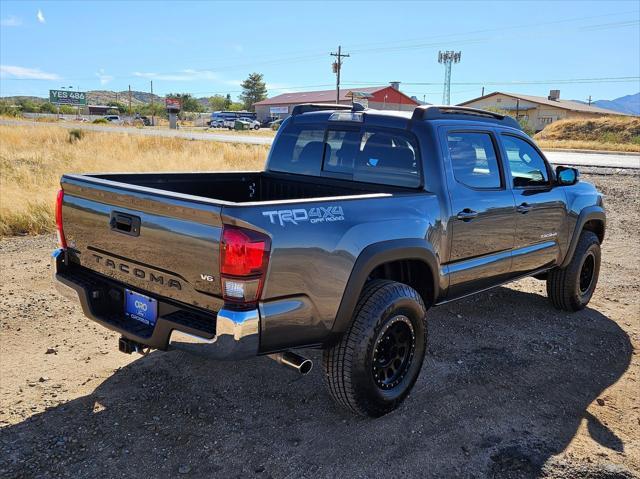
(128,346)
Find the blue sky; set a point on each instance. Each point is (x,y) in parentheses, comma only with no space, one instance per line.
(206,48)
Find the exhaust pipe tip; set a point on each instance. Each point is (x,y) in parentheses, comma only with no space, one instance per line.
(305,367)
(294,361)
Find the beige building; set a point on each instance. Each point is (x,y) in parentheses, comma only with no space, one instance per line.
(538,111)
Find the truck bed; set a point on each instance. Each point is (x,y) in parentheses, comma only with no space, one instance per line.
(245,186)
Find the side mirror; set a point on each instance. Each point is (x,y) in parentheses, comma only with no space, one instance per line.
(566,176)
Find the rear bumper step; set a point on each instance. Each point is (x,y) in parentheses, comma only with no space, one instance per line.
(226,334)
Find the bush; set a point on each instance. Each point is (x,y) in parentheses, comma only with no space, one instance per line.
(98,121)
(75,135)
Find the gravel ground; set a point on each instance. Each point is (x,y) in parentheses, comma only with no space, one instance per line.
(510,388)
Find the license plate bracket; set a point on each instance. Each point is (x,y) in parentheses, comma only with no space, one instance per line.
(140,307)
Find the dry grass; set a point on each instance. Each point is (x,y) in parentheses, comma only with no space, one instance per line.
(587,145)
(607,133)
(32,159)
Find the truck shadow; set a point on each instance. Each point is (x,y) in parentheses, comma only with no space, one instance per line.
(506,385)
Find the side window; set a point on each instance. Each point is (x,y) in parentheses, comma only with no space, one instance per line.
(527,166)
(474,160)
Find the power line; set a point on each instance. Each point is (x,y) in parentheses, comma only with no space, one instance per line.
(519,82)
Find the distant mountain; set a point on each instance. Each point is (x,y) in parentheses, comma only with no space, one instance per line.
(102,97)
(625,104)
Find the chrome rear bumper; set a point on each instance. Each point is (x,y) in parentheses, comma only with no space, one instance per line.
(236,336)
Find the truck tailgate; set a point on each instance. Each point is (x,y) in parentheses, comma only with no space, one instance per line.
(162,244)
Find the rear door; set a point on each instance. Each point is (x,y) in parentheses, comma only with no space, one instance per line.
(540,206)
(483,211)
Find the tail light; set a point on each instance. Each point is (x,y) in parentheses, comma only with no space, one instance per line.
(244,257)
(60,230)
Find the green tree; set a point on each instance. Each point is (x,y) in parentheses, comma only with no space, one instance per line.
(254,89)
(47,107)
(227,102)
(524,125)
(27,105)
(187,101)
(218,102)
(116,105)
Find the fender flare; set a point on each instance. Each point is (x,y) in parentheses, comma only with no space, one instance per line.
(589,213)
(373,256)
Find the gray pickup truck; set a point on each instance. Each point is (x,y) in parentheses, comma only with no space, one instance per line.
(362,220)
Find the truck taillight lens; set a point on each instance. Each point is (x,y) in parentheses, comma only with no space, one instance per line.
(244,257)
(59,229)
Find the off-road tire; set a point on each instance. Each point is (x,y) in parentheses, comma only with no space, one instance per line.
(565,289)
(386,311)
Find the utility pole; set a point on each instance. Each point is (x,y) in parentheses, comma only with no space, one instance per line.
(482,94)
(448,58)
(129,100)
(337,66)
(589,99)
(153,110)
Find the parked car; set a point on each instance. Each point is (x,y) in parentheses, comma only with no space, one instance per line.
(267,121)
(275,125)
(114,119)
(253,124)
(361,222)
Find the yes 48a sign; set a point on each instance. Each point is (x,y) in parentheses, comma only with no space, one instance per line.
(68,97)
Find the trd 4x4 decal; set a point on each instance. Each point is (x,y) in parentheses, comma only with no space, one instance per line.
(294,216)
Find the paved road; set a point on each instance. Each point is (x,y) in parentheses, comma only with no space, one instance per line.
(595,159)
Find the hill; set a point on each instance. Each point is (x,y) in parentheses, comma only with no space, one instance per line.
(102,97)
(607,133)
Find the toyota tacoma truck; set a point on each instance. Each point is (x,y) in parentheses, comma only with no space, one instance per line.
(361,221)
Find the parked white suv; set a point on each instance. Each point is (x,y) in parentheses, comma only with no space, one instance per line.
(255,124)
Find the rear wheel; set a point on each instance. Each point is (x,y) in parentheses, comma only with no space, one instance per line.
(377,361)
(571,288)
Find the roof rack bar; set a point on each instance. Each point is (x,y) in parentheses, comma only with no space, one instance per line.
(308,107)
(433,112)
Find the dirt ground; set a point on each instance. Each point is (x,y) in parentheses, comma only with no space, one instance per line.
(510,388)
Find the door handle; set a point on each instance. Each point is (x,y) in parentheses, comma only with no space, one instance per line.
(466,214)
(524,208)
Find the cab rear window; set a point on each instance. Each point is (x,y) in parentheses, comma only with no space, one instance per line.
(363,154)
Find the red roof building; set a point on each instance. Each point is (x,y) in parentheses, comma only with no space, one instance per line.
(378,97)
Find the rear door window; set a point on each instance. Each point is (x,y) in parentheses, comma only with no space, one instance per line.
(474,160)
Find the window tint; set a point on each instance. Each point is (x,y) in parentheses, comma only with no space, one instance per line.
(474,160)
(527,166)
(373,156)
(298,150)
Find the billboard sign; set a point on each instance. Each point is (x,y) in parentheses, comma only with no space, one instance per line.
(278,110)
(68,97)
(172,103)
